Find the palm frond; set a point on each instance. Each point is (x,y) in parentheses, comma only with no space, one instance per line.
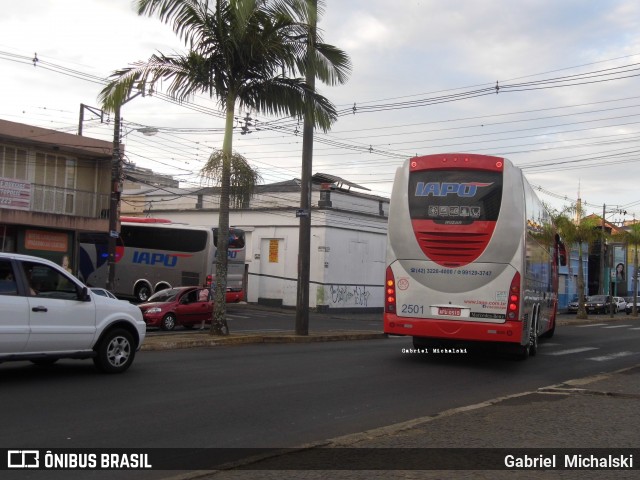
(243,179)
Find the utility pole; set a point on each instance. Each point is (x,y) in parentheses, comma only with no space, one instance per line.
(304,241)
(94,110)
(601,282)
(116,187)
(114,200)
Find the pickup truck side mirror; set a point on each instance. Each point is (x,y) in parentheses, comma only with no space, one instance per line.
(83,294)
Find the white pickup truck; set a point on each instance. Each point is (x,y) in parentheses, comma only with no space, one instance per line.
(47,314)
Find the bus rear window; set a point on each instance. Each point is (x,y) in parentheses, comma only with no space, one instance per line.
(455,197)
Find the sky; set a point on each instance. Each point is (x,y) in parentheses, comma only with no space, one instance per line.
(424,80)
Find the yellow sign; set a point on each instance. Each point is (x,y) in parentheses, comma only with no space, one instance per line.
(273,251)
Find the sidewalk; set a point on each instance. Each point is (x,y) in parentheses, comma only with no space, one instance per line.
(578,417)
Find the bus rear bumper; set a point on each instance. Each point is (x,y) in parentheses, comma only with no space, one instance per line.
(454,330)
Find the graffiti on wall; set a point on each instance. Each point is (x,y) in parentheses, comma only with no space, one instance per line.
(343,295)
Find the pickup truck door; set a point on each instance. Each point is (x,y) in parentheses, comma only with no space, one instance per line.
(59,320)
(14,314)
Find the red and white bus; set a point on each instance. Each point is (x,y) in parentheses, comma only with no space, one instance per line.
(469,257)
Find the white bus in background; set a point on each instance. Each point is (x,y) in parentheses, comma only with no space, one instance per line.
(154,254)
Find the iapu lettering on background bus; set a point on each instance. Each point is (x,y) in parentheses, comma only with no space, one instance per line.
(230,253)
(164,259)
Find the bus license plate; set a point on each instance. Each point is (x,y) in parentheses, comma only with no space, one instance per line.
(455,312)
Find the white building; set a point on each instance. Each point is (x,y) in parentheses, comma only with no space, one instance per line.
(348,238)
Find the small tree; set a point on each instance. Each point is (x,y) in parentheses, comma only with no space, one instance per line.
(242,182)
(578,233)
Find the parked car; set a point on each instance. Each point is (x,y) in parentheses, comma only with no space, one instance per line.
(103,292)
(629,306)
(598,304)
(48,314)
(619,304)
(186,306)
(572,307)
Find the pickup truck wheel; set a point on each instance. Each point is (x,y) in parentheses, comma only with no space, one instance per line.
(115,352)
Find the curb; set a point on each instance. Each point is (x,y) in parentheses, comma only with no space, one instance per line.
(163,343)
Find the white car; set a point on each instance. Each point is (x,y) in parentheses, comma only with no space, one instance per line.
(103,292)
(48,314)
(619,304)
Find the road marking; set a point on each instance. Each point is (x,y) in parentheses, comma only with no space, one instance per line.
(618,326)
(572,350)
(612,356)
(592,325)
(635,328)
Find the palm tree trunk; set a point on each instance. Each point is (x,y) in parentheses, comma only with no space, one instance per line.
(219,324)
(582,312)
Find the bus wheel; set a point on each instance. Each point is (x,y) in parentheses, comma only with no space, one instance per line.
(168,322)
(533,339)
(549,333)
(143,292)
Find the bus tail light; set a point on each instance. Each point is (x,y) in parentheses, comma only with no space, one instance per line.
(513,301)
(209,281)
(390,292)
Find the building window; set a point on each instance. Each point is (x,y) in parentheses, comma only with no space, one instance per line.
(13,163)
(55,182)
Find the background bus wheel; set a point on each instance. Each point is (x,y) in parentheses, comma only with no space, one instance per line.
(143,292)
(168,322)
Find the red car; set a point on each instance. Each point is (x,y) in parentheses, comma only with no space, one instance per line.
(186,306)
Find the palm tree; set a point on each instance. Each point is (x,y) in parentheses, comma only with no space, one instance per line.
(239,52)
(632,237)
(583,231)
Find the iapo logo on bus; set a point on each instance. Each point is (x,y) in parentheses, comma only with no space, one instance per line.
(443,189)
(166,259)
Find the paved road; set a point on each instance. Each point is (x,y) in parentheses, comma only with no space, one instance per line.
(285,395)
